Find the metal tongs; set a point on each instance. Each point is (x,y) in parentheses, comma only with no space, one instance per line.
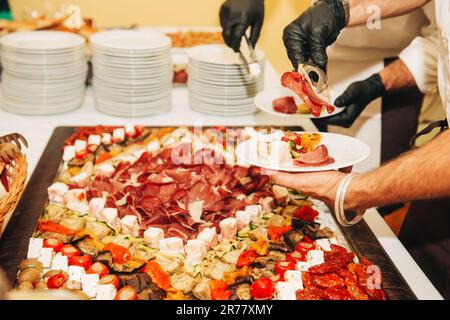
(252,65)
(320,81)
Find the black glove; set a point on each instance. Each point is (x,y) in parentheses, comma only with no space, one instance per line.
(309,35)
(355,99)
(236,16)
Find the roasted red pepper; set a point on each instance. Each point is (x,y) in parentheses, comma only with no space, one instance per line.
(158,275)
(246,258)
(69,250)
(276,232)
(262,289)
(219,290)
(56,281)
(119,253)
(284,265)
(53,243)
(306,213)
(49,226)
(98,268)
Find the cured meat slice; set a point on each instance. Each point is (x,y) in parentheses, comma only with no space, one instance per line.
(317,157)
(285,105)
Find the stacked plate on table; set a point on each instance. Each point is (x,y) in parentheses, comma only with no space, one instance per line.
(44,72)
(132,72)
(219,83)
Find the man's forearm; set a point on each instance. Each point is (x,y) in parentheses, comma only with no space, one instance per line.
(397,76)
(420,174)
(359,12)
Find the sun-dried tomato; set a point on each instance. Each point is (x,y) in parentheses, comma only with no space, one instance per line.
(309,294)
(330,280)
(335,294)
(308,280)
(338,262)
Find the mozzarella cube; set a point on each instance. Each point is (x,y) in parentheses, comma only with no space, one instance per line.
(94,139)
(323,244)
(130,130)
(106,138)
(60,262)
(303,266)
(195,251)
(111,216)
(315,257)
(76,273)
(96,206)
(56,192)
(195,210)
(228,229)
(294,277)
(69,153)
(243,219)
(130,225)
(105,169)
(106,292)
(255,210)
(209,236)
(267,204)
(173,244)
(80,145)
(89,284)
(119,134)
(81,180)
(152,236)
(153,146)
(45,257)
(34,248)
(76,200)
(285,291)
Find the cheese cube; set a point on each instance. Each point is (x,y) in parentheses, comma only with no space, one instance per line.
(130,130)
(315,257)
(173,244)
(111,216)
(228,229)
(209,236)
(94,139)
(60,262)
(106,292)
(243,219)
(45,257)
(195,251)
(285,291)
(323,244)
(34,248)
(118,134)
(153,146)
(105,169)
(106,138)
(152,236)
(89,284)
(56,192)
(303,266)
(255,210)
(81,180)
(130,225)
(195,210)
(80,145)
(76,273)
(73,285)
(294,277)
(96,206)
(76,200)
(69,153)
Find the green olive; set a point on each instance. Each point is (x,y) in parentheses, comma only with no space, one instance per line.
(28,275)
(30,263)
(26,285)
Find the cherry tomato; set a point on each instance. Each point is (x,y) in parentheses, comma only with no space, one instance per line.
(126,293)
(81,261)
(56,281)
(53,243)
(284,265)
(110,279)
(262,289)
(69,250)
(98,268)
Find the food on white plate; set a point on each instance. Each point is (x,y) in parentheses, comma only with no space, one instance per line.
(163,227)
(288,105)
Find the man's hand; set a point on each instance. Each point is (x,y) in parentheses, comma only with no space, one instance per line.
(355,99)
(236,16)
(309,35)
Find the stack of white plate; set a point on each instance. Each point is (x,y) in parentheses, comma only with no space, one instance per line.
(219,84)
(44,72)
(132,72)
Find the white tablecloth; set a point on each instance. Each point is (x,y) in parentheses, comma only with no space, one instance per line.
(38,129)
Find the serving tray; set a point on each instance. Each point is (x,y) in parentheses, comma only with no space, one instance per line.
(14,241)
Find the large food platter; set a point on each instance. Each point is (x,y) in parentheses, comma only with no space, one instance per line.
(23,225)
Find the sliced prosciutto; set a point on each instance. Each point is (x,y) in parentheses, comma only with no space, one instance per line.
(285,105)
(297,83)
(318,157)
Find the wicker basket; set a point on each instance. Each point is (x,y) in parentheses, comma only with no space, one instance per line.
(16,177)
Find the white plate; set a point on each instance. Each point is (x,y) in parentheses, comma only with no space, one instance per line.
(218,54)
(264,99)
(42,40)
(346,151)
(130,40)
